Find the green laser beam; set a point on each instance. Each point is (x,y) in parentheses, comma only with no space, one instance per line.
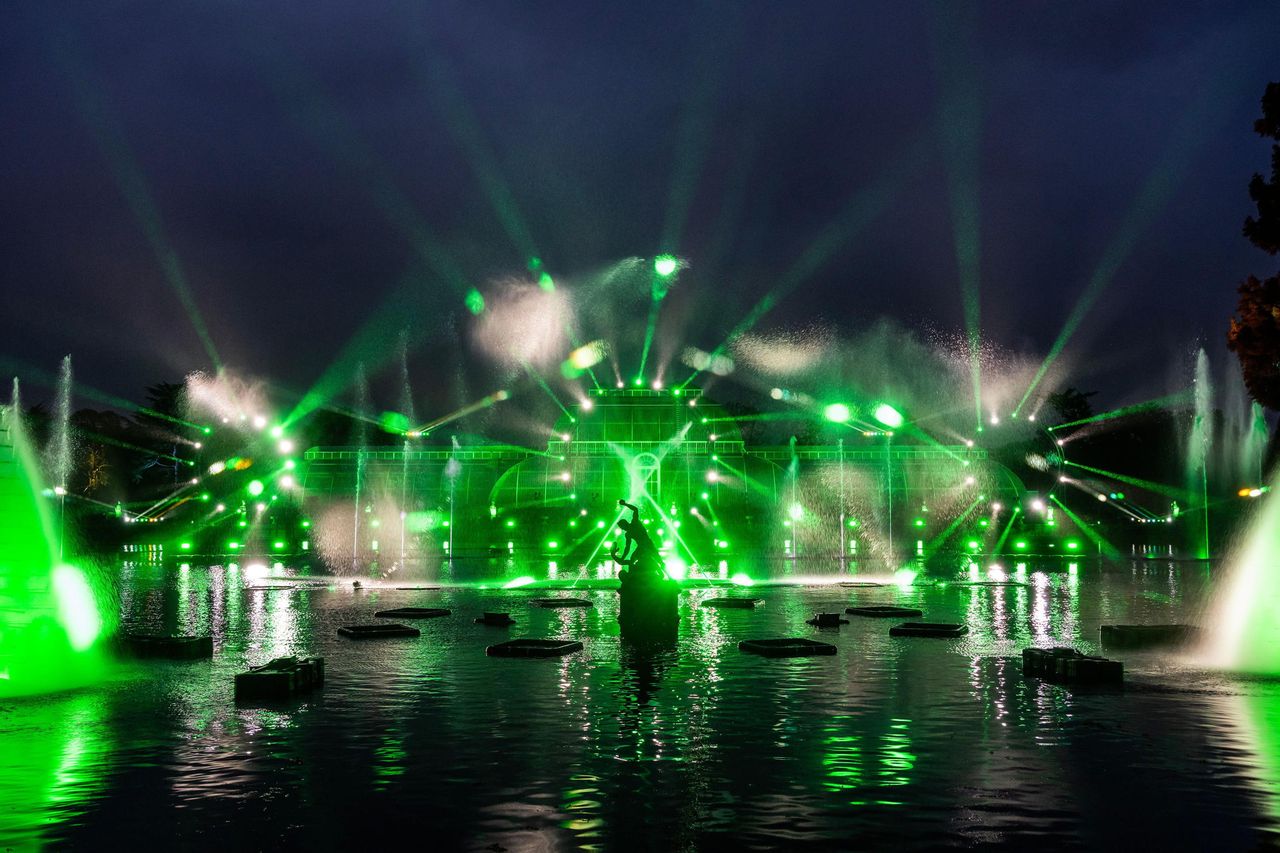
(960,124)
(1008,528)
(1184,142)
(108,131)
(941,539)
(861,210)
(1158,488)
(1137,408)
(1106,548)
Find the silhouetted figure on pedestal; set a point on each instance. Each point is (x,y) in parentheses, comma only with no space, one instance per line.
(647,595)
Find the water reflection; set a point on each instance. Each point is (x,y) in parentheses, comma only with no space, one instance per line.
(681,743)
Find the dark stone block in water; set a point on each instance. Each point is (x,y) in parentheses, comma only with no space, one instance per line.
(940,630)
(171,648)
(1043,663)
(279,680)
(417,587)
(376,632)
(791,647)
(860,584)
(413,613)
(826,620)
(882,611)
(1068,666)
(562,602)
(533,649)
(499,620)
(731,603)
(1146,636)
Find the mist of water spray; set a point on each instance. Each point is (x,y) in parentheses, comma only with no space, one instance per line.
(1244,621)
(50,618)
(1198,447)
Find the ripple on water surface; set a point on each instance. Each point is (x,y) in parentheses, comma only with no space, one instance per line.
(913,743)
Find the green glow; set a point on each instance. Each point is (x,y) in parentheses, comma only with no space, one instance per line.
(255,487)
(837,413)
(676,568)
(742,579)
(665,265)
(523,580)
(552,544)
(50,620)
(77,609)
(474,301)
(888,416)
(796,512)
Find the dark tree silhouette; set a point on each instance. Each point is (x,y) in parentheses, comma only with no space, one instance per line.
(1071,405)
(1264,232)
(1254,335)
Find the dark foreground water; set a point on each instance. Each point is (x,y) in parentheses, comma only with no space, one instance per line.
(892,743)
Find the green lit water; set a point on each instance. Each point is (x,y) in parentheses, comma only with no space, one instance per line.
(912,744)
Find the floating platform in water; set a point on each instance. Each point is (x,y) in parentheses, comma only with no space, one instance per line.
(280,680)
(417,587)
(939,630)
(533,649)
(562,602)
(497,620)
(1067,666)
(790,647)
(171,648)
(826,620)
(413,613)
(860,584)
(1147,636)
(378,632)
(883,611)
(731,603)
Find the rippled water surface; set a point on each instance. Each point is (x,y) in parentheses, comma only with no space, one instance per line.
(902,743)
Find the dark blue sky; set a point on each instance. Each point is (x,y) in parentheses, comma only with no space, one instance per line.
(303,163)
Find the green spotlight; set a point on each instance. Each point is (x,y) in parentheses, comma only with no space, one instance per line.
(255,487)
(888,415)
(836,413)
(665,265)
(474,301)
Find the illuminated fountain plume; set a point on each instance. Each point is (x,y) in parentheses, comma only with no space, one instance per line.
(50,618)
(1244,617)
(524,324)
(784,353)
(227,397)
(720,365)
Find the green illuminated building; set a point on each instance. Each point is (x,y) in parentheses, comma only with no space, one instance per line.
(705,494)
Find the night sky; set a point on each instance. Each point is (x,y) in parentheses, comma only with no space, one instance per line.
(304,166)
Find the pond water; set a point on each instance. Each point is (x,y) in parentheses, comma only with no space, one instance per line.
(909,743)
